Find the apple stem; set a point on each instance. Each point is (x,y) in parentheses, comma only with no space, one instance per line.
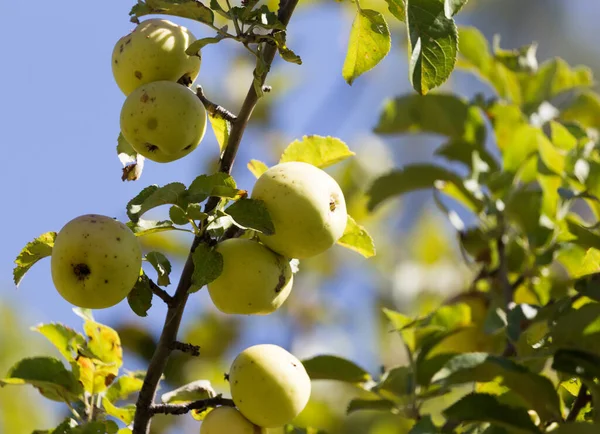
(145,408)
(201,405)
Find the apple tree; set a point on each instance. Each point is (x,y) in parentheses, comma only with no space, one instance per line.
(515,351)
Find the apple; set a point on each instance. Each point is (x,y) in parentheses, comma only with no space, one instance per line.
(95,261)
(228,420)
(254,279)
(307,208)
(163,121)
(154,51)
(269,386)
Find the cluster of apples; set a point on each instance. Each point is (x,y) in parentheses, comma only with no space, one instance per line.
(269,387)
(161,119)
(96,260)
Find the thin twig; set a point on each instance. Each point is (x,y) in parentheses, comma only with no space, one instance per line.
(506,286)
(191,349)
(202,404)
(143,414)
(215,109)
(582,399)
(160,293)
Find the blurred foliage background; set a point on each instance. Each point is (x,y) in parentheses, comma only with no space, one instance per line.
(335,307)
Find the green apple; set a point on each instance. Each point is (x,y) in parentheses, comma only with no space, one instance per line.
(307,208)
(268,385)
(228,420)
(154,51)
(254,279)
(95,261)
(163,121)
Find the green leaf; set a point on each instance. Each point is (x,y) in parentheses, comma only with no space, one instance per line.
(208,265)
(218,184)
(578,329)
(154,196)
(397,8)
(317,150)
(424,426)
(64,338)
(523,59)
(252,214)
(162,266)
(104,343)
(584,237)
(290,429)
(178,215)
(146,227)
(577,363)
(433,39)
(46,374)
(584,110)
(194,391)
(481,407)
(452,7)
(222,128)
(553,78)
(285,53)
(191,9)
(444,114)
(370,404)
(124,414)
(369,43)
(103,427)
(94,375)
(257,168)
(399,381)
(123,387)
(416,177)
(536,390)
(401,323)
(335,368)
(140,297)
(199,44)
(577,428)
(31,253)
(475,55)
(357,238)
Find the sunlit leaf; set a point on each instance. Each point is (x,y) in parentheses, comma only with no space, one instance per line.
(35,250)
(192,9)
(65,339)
(369,43)
(194,391)
(317,150)
(335,368)
(257,167)
(358,239)
(104,343)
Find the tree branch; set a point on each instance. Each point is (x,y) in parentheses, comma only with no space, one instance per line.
(202,404)
(583,397)
(214,109)
(191,349)
(143,414)
(160,293)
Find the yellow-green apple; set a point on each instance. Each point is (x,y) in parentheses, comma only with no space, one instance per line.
(154,51)
(254,279)
(307,208)
(163,121)
(268,385)
(95,261)
(228,420)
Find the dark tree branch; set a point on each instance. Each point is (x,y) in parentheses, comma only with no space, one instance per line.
(143,414)
(191,349)
(203,404)
(215,109)
(160,293)
(582,399)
